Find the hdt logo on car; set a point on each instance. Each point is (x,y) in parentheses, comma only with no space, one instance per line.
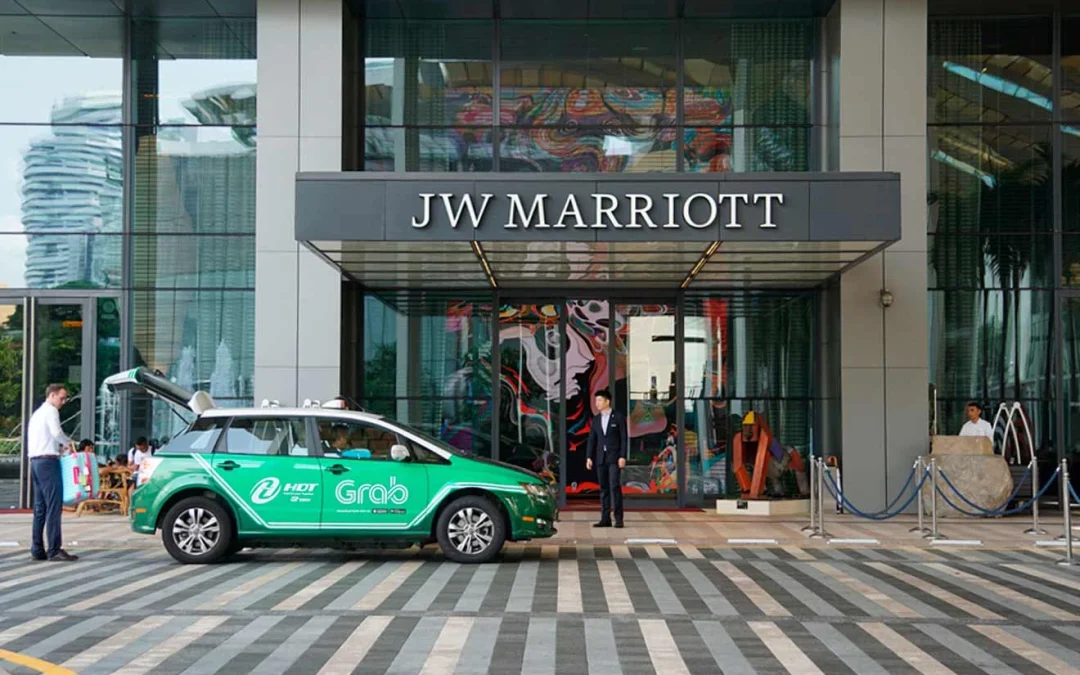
(265,490)
(268,488)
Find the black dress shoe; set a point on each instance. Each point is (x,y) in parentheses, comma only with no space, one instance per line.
(618,525)
(63,556)
(37,556)
(603,523)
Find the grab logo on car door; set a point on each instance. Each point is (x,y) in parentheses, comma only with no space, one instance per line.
(267,489)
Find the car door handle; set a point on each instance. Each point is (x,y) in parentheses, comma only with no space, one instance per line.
(336,469)
(228,465)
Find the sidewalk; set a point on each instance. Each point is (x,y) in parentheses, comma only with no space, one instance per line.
(697,528)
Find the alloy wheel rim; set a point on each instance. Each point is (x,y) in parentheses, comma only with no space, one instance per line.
(471,530)
(196,531)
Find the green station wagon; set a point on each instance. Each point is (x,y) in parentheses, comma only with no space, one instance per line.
(323,476)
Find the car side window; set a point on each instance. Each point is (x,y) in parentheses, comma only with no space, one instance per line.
(271,436)
(199,438)
(355,440)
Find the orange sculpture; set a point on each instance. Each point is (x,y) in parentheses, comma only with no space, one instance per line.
(756,444)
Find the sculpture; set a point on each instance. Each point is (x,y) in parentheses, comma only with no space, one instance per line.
(755,445)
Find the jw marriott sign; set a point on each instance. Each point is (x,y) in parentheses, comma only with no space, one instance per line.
(699,210)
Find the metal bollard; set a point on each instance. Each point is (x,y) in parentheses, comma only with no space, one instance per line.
(821,533)
(813,503)
(920,470)
(1068,514)
(933,535)
(1034,529)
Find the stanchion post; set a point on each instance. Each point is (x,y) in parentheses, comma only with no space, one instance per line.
(1065,501)
(820,532)
(1035,487)
(920,473)
(813,489)
(933,535)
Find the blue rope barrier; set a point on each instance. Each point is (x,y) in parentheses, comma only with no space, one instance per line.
(997,509)
(1075,499)
(834,491)
(1023,507)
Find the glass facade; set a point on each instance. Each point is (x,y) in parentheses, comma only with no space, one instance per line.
(993,230)
(591,96)
(127,201)
(596,96)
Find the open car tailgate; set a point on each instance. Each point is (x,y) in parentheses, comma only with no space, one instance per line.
(145,381)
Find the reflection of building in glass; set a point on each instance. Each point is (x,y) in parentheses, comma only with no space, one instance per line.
(198,180)
(73,185)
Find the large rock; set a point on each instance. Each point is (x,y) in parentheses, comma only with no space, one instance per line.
(984,479)
(961,445)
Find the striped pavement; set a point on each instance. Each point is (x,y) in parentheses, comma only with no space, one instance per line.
(549,609)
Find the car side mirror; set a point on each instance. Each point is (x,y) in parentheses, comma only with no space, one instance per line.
(399,453)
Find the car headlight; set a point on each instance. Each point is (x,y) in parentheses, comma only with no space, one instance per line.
(146,470)
(535,490)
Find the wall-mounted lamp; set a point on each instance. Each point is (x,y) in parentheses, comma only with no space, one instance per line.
(885,297)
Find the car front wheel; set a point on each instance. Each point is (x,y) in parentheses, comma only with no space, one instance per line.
(197,530)
(471,530)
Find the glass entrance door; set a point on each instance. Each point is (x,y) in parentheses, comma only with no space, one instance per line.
(1070,380)
(69,341)
(554,358)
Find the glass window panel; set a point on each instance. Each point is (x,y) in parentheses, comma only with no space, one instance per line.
(267,436)
(740,149)
(1070,179)
(426,149)
(195,71)
(990,261)
(596,149)
(60,180)
(195,180)
(990,179)
(711,426)
(531,373)
(427,347)
(181,262)
(749,345)
(46,78)
(747,72)
(990,345)
(107,427)
(199,339)
(1070,68)
(428,73)
(596,74)
(989,70)
(57,261)
(952,414)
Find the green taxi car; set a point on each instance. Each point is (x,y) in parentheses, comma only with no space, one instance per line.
(322,476)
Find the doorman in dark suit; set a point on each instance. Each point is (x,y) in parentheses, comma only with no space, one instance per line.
(607,450)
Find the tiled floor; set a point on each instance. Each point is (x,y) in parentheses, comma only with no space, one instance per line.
(549,609)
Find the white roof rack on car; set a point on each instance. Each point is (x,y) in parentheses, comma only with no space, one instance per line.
(270,404)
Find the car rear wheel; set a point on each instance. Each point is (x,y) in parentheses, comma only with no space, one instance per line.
(471,530)
(197,530)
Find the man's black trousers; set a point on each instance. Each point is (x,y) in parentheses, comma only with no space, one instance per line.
(610,478)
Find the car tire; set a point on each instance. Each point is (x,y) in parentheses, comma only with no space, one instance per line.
(471,530)
(235,546)
(210,528)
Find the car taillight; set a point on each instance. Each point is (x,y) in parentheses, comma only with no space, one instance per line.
(146,470)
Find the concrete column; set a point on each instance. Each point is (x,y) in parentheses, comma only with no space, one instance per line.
(884,355)
(297,296)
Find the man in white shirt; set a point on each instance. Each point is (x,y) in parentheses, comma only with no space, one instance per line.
(976,425)
(45,442)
